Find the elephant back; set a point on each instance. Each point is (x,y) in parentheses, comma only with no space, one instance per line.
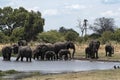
(25,51)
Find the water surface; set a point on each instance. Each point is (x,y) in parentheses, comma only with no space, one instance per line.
(55,66)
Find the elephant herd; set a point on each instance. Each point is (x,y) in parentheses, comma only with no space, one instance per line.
(92,50)
(56,51)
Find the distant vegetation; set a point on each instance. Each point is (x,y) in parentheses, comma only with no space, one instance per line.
(20,23)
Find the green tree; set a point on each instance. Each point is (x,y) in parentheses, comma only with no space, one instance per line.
(3,38)
(33,25)
(116,35)
(17,34)
(12,18)
(71,36)
(106,36)
(50,36)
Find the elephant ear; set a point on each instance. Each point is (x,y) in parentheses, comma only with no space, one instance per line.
(69,45)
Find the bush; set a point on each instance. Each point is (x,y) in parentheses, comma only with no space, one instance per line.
(71,36)
(50,36)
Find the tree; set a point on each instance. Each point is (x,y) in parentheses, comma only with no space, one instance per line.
(13,18)
(106,36)
(50,36)
(17,34)
(71,36)
(33,25)
(83,27)
(103,24)
(116,35)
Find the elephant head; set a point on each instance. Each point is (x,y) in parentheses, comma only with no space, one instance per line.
(70,45)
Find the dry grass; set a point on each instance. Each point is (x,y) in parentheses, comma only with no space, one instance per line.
(90,75)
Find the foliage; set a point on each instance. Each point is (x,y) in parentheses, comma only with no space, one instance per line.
(3,38)
(11,18)
(116,35)
(103,24)
(106,36)
(71,36)
(17,34)
(50,36)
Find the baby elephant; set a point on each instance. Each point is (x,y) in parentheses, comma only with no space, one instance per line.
(24,51)
(88,52)
(50,55)
(64,54)
(109,50)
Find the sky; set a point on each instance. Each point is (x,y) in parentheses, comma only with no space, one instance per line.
(58,13)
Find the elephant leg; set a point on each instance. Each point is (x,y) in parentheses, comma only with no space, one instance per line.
(17,57)
(21,58)
(27,59)
(106,53)
(9,56)
(97,55)
(34,56)
(30,59)
(110,54)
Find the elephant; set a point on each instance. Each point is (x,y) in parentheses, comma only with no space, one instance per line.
(24,51)
(88,52)
(50,55)
(63,54)
(94,47)
(109,49)
(39,52)
(64,45)
(6,53)
(22,42)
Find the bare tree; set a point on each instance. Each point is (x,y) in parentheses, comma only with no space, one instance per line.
(103,24)
(83,26)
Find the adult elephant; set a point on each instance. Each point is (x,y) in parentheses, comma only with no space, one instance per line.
(39,52)
(64,54)
(64,45)
(94,47)
(6,53)
(109,49)
(24,51)
(50,55)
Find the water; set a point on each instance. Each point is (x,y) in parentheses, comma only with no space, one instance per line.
(55,66)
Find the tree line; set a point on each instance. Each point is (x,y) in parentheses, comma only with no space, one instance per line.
(20,23)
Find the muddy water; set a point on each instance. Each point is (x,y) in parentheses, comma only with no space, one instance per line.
(55,66)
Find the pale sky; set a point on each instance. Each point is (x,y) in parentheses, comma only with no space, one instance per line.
(65,13)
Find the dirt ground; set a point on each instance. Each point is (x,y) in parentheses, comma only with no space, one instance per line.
(87,75)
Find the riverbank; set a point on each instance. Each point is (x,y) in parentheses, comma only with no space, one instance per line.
(83,75)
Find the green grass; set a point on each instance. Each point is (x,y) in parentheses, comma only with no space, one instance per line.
(8,72)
